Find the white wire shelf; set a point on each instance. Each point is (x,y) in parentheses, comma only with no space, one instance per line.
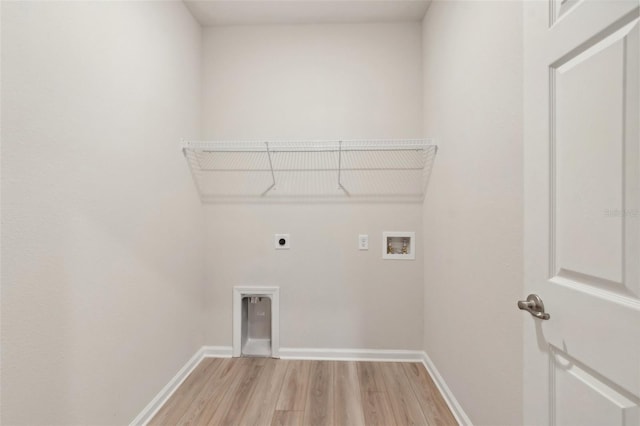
(312,170)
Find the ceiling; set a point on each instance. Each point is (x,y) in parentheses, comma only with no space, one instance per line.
(265,12)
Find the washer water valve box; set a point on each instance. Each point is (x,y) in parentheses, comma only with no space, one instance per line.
(398,245)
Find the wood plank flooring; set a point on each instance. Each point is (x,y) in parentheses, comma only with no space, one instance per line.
(265,391)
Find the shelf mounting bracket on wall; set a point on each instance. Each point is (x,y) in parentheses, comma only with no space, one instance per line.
(273,175)
(340,169)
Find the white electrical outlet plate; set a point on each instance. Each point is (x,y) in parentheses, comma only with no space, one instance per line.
(363,242)
(282,242)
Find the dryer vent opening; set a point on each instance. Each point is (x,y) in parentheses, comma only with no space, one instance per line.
(256,326)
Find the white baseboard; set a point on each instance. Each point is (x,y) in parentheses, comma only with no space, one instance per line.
(448,396)
(159,400)
(217,351)
(321,354)
(351,354)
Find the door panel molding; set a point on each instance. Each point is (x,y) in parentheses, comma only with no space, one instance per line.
(616,405)
(603,264)
(609,290)
(559,9)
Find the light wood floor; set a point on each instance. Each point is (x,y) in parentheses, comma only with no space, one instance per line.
(265,391)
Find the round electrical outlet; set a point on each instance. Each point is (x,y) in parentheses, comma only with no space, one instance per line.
(282,241)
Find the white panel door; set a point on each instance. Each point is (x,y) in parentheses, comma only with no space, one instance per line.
(582,211)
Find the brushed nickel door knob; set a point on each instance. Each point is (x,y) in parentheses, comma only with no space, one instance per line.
(534,306)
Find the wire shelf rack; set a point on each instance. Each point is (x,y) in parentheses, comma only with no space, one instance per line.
(311,170)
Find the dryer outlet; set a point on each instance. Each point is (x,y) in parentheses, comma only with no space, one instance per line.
(282,242)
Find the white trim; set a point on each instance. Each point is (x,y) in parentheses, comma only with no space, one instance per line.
(351,354)
(272,293)
(217,351)
(446,393)
(161,398)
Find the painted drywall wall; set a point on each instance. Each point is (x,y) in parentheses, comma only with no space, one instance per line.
(102,246)
(332,295)
(350,81)
(473,212)
(315,82)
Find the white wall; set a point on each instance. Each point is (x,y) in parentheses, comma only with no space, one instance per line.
(348,81)
(102,246)
(315,82)
(473,211)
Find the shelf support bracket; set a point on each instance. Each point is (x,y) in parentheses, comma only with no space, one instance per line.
(340,168)
(273,176)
